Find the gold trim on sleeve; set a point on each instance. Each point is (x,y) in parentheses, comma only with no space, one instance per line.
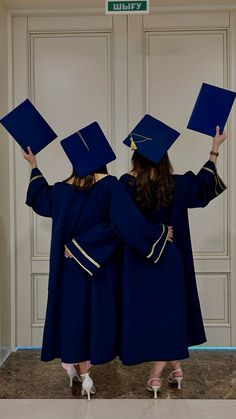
(209,170)
(215,178)
(85,254)
(218,181)
(221,183)
(155,261)
(154,245)
(82,266)
(35,177)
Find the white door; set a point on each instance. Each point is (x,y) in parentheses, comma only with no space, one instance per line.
(169,57)
(74,71)
(79,69)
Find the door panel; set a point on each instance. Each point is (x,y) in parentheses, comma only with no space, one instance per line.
(175,67)
(70,80)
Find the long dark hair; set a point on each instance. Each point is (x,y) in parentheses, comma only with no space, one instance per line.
(85,182)
(154,183)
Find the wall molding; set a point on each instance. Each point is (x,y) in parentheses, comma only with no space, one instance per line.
(33,36)
(223,281)
(101,11)
(231,169)
(36,281)
(57,12)
(12,187)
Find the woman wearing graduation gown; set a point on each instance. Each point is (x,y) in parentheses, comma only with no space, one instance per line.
(81,321)
(160,304)
(161,314)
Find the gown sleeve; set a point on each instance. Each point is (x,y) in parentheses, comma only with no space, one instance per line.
(200,189)
(39,194)
(92,248)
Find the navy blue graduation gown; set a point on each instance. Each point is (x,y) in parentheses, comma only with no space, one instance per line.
(160,306)
(160,310)
(82,316)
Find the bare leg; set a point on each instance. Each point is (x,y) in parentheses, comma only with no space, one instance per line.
(176,376)
(88,386)
(157,371)
(81,368)
(175,366)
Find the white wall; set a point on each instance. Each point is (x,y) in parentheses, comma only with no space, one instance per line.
(5,284)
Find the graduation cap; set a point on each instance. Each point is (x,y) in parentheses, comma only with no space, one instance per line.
(211,109)
(27,126)
(151,138)
(88,149)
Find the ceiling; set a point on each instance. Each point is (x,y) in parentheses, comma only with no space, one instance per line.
(73,4)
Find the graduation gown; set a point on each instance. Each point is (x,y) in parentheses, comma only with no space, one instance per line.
(82,315)
(160,310)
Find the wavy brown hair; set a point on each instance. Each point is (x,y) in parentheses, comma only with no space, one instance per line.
(85,182)
(154,183)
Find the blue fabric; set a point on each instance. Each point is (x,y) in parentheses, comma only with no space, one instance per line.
(160,310)
(132,307)
(78,308)
(211,109)
(88,149)
(28,127)
(124,224)
(83,311)
(152,138)
(160,306)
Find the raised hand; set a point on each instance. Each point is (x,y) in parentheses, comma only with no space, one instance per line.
(31,159)
(67,254)
(218,139)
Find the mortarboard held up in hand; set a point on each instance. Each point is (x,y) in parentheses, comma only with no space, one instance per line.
(211,109)
(27,126)
(151,138)
(88,149)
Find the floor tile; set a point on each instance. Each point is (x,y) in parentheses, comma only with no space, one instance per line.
(207,375)
(211,409)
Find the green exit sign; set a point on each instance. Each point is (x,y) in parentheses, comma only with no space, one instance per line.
(127,7)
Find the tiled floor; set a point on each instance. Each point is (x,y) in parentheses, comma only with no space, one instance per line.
(207,375)
(118,409)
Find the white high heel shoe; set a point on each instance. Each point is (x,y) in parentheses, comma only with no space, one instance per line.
(155,388)
(177,380)
(72,373)
(87,385)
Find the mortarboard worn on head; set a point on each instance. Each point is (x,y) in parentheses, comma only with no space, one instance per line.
(151,138)
(27,126)
(88,149)
(211,109)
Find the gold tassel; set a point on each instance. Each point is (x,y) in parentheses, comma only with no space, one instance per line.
(132,144)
